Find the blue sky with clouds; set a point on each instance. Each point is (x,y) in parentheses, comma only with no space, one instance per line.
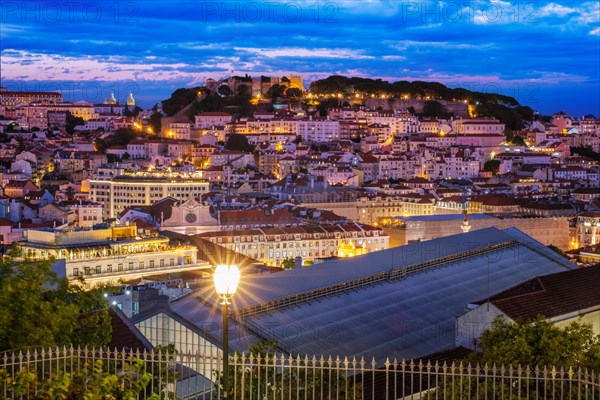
(544,53)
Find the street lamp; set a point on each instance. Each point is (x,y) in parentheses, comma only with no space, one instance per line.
(226,278)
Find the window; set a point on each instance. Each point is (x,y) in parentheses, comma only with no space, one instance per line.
(75,271)
(120,267)
(141,265)
(98,269)
(151,263)
(130,266)
(162,263)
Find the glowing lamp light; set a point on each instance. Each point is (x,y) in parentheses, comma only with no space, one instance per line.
(226,278)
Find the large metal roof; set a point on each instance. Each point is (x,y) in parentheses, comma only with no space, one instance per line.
(407,317)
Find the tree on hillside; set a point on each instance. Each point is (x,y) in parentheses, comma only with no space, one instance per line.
(21,146)
(207,104)
(70,193)
(294,93)
(121,137)
(276,91)
(238,142)
(585,151)
(41,309)
(224,91)
(518,141)
(434,109)
(492,166)
(72,122)
(155,122)
(133,113)
(179,99)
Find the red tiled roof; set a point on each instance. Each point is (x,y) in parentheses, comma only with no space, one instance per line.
(256,216)
(6,222)
(551,295)
(124,334)
(214,114)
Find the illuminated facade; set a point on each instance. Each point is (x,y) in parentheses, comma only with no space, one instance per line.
(588,228)
(124,191)
(311,242)
(9,98)
(103,256)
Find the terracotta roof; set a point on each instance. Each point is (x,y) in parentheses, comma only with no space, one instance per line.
(6,222)
(256,216)
(162,209)
(417,180)
(495,200)
(124,334)
(214,114)
(551,295)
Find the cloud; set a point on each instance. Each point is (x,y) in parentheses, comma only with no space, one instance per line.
(556,9)
(393,58)
(494,41)
(306,52)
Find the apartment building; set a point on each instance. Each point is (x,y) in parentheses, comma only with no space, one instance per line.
(108,255)
(118,193)
(209,119)
(8,98)
(319,130)
(469,126)
(310,242)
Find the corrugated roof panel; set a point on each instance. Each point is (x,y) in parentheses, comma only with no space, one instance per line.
(407,318)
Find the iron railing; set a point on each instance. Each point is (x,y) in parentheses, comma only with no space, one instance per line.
(281,377)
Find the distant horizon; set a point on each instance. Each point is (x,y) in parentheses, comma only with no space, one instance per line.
(98,92)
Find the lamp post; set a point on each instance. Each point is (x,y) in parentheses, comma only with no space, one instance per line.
(226,278)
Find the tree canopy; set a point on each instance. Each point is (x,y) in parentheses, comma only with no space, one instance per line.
(492,166)
(293,92)
(179,99)
(120,137)
(155,122)
(41,309)
(224,91)
(72,122)
(539,343)
(434,109)
(528,346)
(416,89)
(207,104)
(238,142)
(276,91)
